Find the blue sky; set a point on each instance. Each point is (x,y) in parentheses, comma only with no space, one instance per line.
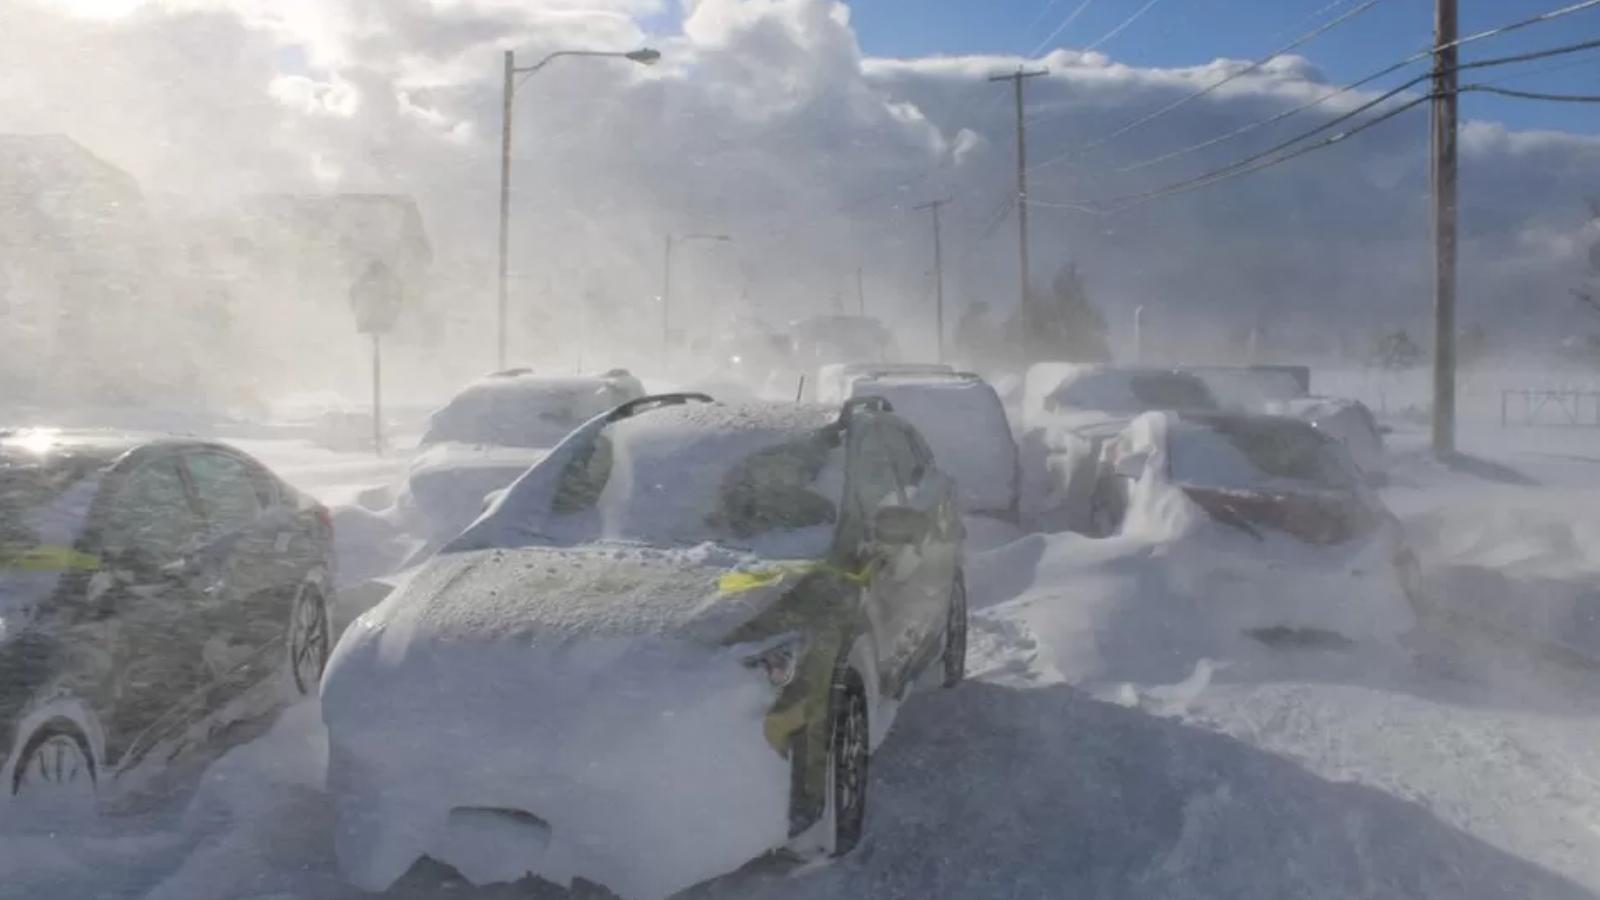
(1184,32)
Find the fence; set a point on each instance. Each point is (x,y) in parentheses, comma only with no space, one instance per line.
(1551,406)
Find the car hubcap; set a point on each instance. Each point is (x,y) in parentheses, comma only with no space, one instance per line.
(308,642)
(955,646)
(57,766)
(850,778)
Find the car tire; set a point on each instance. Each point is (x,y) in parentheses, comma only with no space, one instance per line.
(308,639)
(57,756)
(954,657)
(849,751)
(1103,520)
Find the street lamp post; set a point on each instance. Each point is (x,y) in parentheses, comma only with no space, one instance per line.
(644,56)
(666,287)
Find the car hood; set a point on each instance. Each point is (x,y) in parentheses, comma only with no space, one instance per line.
(1315,517)
(556,595)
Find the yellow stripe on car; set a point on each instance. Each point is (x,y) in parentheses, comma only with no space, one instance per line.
(48,559)
(737,582)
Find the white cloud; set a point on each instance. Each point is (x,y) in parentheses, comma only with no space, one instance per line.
(335,97)
(764,120)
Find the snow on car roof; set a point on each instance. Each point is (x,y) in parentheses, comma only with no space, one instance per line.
(523,409)
(731,417)
(1129,390)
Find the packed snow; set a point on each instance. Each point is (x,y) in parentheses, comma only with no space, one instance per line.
(1113,740)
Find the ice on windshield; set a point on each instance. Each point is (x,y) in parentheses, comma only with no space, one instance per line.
(761,478)
(1239,453)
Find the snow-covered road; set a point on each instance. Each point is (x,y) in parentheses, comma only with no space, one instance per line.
(1096,752)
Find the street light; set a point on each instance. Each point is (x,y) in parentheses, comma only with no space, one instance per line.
(644,56)
(666,287)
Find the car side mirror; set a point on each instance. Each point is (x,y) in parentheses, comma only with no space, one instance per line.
(900,525)
(490,498)
(1130,466)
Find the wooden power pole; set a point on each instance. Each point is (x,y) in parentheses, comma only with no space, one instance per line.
(1016,79)
(1444,228)
(938,276)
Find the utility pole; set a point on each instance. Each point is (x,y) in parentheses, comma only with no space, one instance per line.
(1444,228)
(505,206)
(666,304)
(377,396)
(861,295)
(1016,79)
(938,274)
(644,56)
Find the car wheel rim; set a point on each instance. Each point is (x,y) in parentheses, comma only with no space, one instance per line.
(850,773)
(308,642)
(58,767)
(955,647)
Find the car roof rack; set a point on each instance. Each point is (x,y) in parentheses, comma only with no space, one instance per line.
(641,404)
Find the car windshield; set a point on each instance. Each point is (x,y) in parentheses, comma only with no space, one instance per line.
(1258,453)
(690,475)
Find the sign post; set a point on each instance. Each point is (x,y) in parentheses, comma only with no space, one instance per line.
(376,297)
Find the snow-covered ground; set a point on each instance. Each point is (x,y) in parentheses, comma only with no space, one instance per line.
(1100,749)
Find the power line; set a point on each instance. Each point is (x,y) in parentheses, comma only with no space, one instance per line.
(1361,82)
(1220,175)
(1273,156)
(1044,10)
(1071,17)
(1261,161)
(1545,70)
(1195,95)
(1530,95)
(1137,15)
(1347,116)
(1310,17)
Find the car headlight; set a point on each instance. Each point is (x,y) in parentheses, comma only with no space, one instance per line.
(779,660)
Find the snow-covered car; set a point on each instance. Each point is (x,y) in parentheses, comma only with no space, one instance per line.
(1069,411)
(823,340)
(1275,514)
(152,591)
(667,649)
(490,433)
(1253,388)
(1349,422)
(964,422)
(834,382)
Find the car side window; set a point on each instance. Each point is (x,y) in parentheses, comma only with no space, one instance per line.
(874,482)
(229,490)
(910,461)
(584,478)
(151,515)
